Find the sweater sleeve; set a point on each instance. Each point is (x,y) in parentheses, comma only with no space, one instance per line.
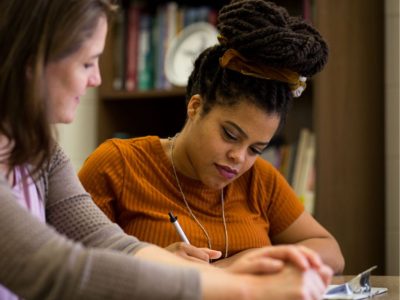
(37,262)
(70,209)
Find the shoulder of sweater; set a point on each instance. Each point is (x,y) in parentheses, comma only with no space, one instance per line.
(58,157)
(263,169)
(125,146)
(263,166)
(260,170)
(136,141)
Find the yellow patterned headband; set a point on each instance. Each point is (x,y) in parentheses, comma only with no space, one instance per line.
(233,60)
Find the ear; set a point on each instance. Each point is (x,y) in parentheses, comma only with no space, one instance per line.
(194,105)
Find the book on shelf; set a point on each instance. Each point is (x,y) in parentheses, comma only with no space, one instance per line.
(166,27)
(287,158)
(118,42)
(301,149)
(304,182)
(307,10)
(171,17)
(212,17)
(132,46)
(145,55)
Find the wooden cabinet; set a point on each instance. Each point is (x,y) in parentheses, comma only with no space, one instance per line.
(344,107)
(349,123)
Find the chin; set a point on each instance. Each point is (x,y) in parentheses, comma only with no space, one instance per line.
(68,117)
(68,120)
(63,120)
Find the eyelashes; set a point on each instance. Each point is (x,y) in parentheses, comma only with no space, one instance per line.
(230,137)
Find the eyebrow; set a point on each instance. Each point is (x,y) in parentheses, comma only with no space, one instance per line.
(238,128)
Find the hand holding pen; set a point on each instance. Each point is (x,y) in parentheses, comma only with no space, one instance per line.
(186,250)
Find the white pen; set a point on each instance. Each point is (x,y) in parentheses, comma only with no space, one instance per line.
(174,220)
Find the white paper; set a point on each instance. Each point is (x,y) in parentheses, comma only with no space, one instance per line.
(356,296)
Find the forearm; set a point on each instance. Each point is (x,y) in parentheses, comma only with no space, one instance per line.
(57,268)
(215,283)
(306,231)
(328,249)
(72,212)
(252,278)
(160,255)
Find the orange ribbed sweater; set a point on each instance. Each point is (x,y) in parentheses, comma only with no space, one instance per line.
(133,183)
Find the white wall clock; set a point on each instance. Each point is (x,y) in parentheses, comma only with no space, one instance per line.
(185,48)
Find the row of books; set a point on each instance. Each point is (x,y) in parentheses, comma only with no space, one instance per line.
(296,162)
(141,37)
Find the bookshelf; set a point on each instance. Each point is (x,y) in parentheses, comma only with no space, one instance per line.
(343,106)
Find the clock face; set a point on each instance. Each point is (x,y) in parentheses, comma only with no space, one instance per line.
(185,48)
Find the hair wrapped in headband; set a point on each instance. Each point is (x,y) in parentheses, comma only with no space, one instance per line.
(233,60)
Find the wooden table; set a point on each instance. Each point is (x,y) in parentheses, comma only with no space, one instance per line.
(390,282)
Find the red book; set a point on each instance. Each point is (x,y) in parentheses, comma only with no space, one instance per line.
(132,47)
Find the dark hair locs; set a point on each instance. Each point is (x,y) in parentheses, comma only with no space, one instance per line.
(265,34)
(33,33)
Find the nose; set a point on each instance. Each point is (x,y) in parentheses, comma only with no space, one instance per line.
(237,154)
(95,78)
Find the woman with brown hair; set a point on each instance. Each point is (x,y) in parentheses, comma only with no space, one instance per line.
(55,243)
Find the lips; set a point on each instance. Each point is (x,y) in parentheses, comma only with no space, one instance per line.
(226,172)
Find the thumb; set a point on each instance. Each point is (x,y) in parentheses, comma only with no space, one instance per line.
(213,254)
